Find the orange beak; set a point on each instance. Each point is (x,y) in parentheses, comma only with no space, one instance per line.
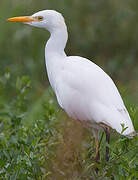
(21,19)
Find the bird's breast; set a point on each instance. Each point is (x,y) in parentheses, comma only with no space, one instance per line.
(73,102)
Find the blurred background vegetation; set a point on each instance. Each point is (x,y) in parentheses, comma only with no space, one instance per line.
(106,32)
(103,31)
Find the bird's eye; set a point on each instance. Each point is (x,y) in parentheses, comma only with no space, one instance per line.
(40,18)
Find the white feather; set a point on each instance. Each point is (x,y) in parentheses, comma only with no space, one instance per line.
(82,88)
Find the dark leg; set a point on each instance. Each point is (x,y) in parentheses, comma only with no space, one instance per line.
(107,132)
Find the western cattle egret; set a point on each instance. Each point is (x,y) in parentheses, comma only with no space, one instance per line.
(82,88)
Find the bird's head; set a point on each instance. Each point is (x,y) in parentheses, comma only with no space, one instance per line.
(48,19)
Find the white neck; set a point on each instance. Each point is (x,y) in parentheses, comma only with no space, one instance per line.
(57,41)
(54,52)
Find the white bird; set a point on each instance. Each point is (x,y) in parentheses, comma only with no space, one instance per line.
(82,88)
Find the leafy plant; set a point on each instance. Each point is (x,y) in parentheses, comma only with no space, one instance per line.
(40,142)
(24,149)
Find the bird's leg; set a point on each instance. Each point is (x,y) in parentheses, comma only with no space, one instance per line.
(96,136)
(107,132)
(97,155)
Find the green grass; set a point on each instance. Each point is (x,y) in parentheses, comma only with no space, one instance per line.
(40,142)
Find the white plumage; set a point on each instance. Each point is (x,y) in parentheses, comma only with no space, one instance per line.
(87,93)
(82,88)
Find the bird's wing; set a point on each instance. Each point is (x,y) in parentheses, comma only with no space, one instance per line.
(95,81)
(93,87)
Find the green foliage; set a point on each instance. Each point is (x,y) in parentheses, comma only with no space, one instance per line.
(23,148)
(123,162)
(50,145)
